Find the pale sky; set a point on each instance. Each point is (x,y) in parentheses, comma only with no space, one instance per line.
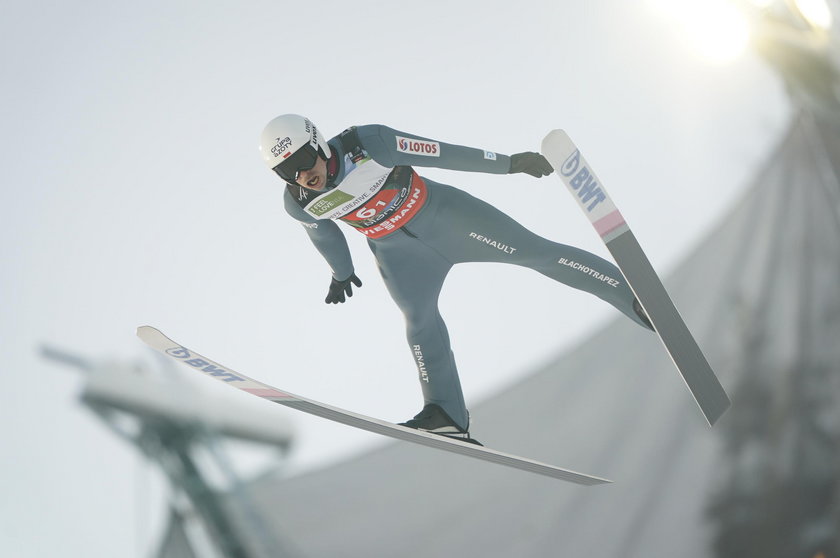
(133,193)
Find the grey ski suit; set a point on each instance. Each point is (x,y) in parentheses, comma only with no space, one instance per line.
(418,229)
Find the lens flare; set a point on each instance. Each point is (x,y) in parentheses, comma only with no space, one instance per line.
(715,29)
(816,12)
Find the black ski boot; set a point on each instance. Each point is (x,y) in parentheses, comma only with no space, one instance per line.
(435,420)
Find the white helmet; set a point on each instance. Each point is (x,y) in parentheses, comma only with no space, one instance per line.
(291,143)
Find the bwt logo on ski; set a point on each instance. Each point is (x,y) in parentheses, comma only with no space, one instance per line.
(418,147)
(204,366)
(583,181)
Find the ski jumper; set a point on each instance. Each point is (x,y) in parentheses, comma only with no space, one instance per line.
(418,229)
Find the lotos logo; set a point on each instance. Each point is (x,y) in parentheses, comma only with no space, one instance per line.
(418,147)
(204,366)
(583,182)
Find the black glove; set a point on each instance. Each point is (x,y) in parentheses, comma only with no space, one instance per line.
(339,288)
(532,163)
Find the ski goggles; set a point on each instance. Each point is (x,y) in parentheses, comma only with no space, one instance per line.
(301,160)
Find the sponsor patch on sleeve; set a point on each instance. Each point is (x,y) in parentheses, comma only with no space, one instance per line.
(418,147)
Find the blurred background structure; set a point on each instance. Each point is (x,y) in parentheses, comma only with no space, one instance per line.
(133,193)
(181,431)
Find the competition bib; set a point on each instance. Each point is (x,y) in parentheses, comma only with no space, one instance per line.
(374,199)
(362,181)
(396,202)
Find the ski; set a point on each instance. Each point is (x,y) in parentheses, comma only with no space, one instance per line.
(592,198)
(160,342)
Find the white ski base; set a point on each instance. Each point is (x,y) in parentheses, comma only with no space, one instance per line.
(608,222)
(160,342)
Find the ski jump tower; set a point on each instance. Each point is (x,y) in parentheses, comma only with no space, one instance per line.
(780,491)
(181,431)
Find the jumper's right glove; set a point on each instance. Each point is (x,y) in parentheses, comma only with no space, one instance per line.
(339,288)
(531,163)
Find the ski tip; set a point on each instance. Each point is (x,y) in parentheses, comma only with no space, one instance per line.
(556,145)
(146,332)
(556,134)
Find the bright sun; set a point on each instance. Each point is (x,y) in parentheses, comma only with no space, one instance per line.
(715,29)
(816,12)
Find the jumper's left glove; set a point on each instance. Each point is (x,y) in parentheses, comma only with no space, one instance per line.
(531,163)
(339,288)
